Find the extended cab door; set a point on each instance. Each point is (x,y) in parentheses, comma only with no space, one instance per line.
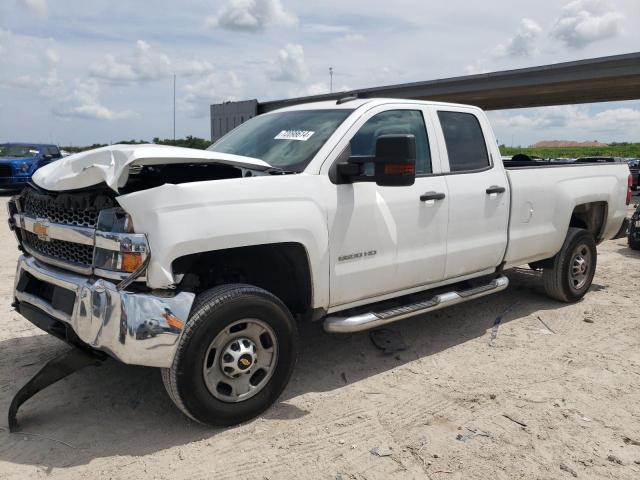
(478,191)
(387,239)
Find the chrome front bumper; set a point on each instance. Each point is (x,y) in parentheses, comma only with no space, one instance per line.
(135,328)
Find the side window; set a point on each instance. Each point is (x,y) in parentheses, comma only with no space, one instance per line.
(394,122)
(53,151)
(465,141)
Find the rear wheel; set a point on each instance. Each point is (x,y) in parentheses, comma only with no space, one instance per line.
(235,356)
(571,273)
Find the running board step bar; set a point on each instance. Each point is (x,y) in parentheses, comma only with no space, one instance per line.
(366,321)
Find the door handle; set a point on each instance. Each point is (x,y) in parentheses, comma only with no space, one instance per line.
(425,197)
(495,189)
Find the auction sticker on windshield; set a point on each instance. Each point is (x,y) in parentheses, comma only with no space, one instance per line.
(302,135)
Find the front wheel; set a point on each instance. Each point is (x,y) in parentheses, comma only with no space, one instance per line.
(573,268)
(235,356)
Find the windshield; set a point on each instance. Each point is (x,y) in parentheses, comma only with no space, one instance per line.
(17,151)
(287,140)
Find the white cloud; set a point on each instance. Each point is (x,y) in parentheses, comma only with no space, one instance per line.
(83,102)
(570,120)
(213,88)
(251,15)
(352,38)
(586,21)
(5,36)
(78,100)
(188,68)
(53,56)
(290,65)
(522,44)
(476,68)
(317,88)
(48,85)
(38,7)
(145,63)
(324,28)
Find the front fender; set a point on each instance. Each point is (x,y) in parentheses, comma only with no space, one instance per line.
(199,217)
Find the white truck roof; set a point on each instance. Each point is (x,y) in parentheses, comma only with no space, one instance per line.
(359,102)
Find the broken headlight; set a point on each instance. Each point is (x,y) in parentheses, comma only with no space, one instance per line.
(118,248)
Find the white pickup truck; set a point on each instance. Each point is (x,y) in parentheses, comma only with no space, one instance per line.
(359,213)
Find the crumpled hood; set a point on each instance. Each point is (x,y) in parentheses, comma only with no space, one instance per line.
(111,165)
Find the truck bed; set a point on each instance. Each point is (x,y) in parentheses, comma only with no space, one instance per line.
(542,204)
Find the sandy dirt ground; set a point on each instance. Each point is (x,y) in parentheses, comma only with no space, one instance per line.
(511,386)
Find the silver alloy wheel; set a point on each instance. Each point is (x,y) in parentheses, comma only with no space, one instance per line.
(580,266)
(240,360)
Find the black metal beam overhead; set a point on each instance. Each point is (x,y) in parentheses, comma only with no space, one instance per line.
(601,79)
(583,81)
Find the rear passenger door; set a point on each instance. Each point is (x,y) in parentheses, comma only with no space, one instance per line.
(478,192)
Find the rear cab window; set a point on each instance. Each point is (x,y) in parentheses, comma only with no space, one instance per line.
(464,139)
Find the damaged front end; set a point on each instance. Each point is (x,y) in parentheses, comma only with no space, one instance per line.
(83,274)
(82,279)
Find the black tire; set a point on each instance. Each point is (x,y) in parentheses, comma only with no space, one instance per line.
(634,240)
(213,311)
(558,281)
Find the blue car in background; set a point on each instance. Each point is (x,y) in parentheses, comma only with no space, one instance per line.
(18,161)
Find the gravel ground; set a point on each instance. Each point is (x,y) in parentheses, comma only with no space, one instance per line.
(511,386)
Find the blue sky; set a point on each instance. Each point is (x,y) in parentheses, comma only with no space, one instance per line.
(78,72)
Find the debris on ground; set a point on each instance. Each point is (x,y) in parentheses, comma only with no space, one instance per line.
(474,432)
(568,469)
(631,441)
(613,459)
(514,420)
(382,451)
(498,321)
(388,340)
(549,329)
(588,320)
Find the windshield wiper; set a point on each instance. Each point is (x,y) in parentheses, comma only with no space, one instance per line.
(279,171)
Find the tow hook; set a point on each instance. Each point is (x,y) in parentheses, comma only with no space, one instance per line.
(55,369)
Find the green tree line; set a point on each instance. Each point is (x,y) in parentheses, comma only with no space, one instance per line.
(625,150)
(189,142)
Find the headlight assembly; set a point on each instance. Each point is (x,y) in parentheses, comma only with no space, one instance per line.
(118,247)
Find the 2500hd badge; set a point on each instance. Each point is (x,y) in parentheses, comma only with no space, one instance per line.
(355,256)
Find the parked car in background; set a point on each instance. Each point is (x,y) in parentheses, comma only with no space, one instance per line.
(634,168)
(19,161)
(634,230)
